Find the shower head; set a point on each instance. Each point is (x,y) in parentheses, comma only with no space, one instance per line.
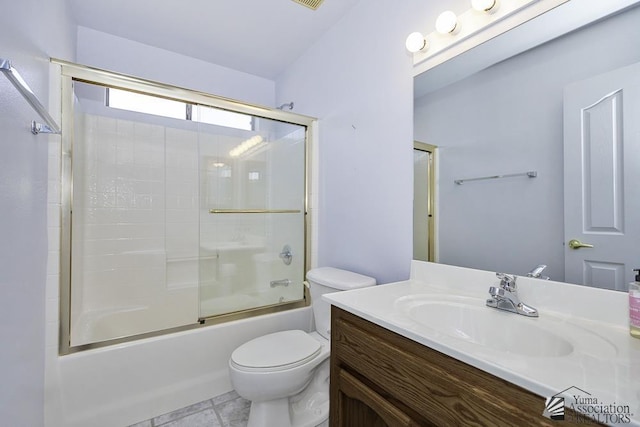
(311,4)
(289,104)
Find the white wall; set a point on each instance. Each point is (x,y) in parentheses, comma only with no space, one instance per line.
(508,119)
(357,80)
(32,32)
(114,53)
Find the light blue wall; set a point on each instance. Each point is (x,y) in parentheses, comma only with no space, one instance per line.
(357,80)
(32,32)
(508,119)
(113,53)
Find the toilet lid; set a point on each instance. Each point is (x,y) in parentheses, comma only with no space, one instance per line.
(284,349)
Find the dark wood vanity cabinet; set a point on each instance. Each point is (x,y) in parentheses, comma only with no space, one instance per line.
(380,378)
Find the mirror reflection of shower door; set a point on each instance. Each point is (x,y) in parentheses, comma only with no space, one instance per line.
(423,202)
(252,205)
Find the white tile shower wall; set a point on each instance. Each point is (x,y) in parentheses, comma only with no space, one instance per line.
(182,215)
(51,402)
(136,224)
(53,262)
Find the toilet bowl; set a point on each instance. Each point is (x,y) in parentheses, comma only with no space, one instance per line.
(285,374)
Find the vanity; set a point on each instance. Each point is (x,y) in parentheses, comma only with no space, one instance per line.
(428,351)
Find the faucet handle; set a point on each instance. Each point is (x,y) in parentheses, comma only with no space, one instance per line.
(537,272)
(507,281)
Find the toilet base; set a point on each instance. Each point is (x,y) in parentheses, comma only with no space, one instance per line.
(314,415)
(309,408)
(270,413)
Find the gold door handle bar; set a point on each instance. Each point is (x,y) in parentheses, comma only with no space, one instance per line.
(253,211)
(577,244)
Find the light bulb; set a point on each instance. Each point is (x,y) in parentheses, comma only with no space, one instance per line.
(416,42)
(483,5)
(446,22)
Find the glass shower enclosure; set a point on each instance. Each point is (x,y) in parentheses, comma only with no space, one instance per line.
(179,208)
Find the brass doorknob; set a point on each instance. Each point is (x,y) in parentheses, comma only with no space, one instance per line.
(577,244)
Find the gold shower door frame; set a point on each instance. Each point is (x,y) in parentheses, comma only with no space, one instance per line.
(71,72)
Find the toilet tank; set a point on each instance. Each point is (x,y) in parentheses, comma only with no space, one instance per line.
(324,280)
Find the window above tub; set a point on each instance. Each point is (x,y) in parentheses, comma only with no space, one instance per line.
(157,106)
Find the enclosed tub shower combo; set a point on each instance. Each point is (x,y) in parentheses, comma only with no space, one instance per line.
(179,209)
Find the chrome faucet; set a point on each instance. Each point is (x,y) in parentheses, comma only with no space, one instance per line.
(506,297)
(536,273)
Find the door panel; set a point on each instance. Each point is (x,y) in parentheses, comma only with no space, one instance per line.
(602,178)
(601,165)
(252,217)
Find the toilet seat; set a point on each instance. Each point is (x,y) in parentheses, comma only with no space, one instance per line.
(276,352)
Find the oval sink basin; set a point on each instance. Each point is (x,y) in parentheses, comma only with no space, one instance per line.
(488,327)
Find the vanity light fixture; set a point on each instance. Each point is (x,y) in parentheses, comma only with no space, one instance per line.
(482,21)
(447,23)
(488,6)
(416,42)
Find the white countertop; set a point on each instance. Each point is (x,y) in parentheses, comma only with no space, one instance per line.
(603,360)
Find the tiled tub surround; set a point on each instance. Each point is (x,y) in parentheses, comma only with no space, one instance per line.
(135,217)
(147,255)
(604,360)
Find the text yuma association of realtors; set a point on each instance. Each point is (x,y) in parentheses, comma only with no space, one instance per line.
(599,411)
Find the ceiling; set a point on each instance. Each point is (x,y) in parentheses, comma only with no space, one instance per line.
(260,37)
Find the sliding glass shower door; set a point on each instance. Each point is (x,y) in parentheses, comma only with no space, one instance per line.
(252,210)
(175,212)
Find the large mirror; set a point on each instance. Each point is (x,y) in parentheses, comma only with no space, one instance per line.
(560,121)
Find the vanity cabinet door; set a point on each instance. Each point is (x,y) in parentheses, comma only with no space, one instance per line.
(359,405)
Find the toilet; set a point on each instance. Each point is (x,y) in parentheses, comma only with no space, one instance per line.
(285,374)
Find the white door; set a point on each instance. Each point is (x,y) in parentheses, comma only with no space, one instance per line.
(602,178)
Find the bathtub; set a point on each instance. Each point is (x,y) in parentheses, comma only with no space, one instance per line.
(170,309)
(123,384)
(108,324)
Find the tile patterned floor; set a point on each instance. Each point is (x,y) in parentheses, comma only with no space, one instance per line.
(227,410)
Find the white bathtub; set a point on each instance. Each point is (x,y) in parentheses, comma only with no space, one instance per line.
(172,308)
(127,383)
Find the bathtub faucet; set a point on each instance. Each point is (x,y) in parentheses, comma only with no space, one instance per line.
(281,282)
